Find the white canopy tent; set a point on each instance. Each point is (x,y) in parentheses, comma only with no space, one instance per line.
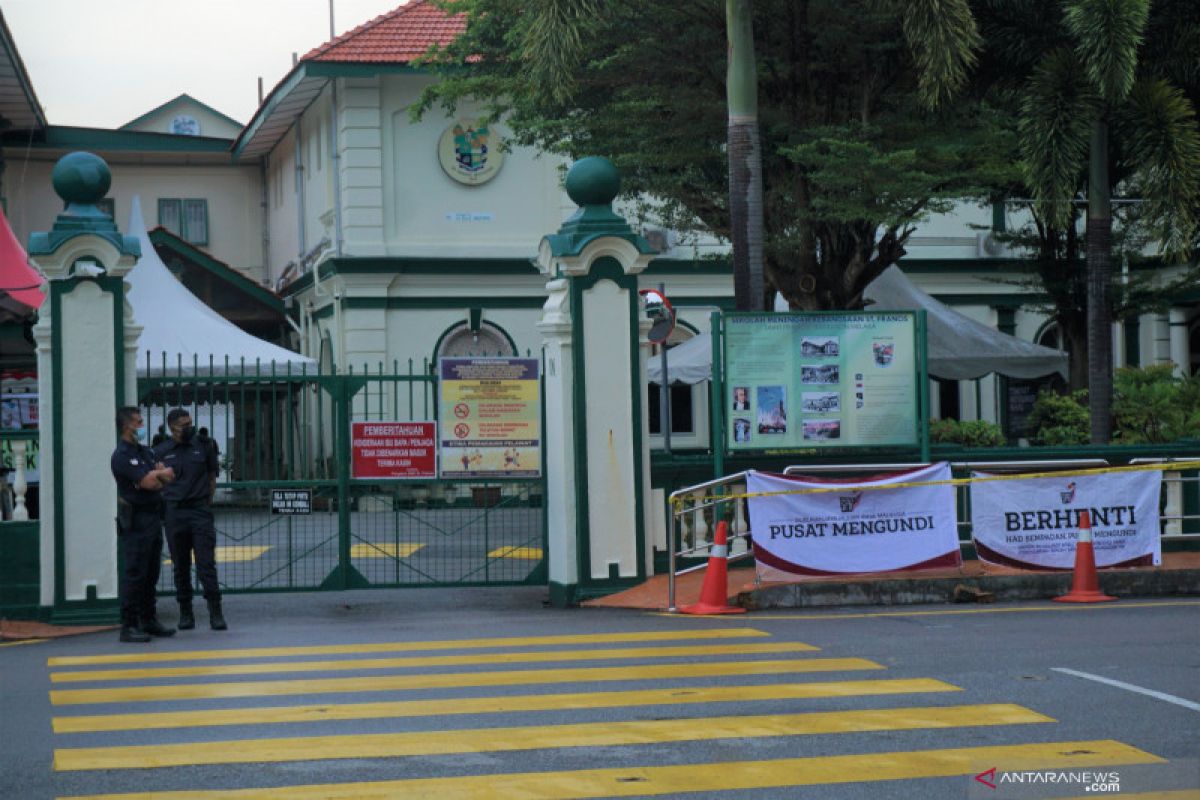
(181,329)
(959,347)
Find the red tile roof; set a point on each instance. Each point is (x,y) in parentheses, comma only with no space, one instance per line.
(396,37)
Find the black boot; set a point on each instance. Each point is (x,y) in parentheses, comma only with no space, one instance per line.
(187,620)
(215,618)
(155,628)
(130,632)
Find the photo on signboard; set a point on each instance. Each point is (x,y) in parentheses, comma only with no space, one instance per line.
(741,429)
(820,374)
(741,398)
(884,352)
(822,429)
(821,402)
(819,346)
(772,410)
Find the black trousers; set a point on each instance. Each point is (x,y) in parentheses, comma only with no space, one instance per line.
(141,555)
(190,532)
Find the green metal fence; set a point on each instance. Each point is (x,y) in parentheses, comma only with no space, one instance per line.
(290,429)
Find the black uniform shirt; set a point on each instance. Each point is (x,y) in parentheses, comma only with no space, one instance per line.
(194,463)
(130,463)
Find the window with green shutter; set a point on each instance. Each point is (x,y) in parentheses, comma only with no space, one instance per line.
(187,218)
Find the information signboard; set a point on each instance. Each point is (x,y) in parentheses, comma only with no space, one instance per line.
(291,501)
(393,450)
(798,381)
(491,417)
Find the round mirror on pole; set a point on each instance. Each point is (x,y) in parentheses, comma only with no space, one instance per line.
(659,310)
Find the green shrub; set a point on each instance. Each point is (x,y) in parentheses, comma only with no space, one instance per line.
(971,433)
(1061,419)
(1152,405)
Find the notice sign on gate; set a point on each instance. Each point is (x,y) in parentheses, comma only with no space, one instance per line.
(491,417)
(291,501)
(393,450)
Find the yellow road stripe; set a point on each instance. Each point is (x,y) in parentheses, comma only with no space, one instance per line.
(538,737)
(744,648)
(384,549)
(229,554)
(274,715)
(768,617)
(405,647)
(726,776)
(382,683)
(533,553)
(20,642)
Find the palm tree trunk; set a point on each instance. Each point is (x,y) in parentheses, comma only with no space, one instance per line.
(1099,276)
(745,159)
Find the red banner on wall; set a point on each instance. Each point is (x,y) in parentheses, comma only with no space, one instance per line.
(383,450)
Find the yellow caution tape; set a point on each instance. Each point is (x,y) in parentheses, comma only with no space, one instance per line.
(1174,466)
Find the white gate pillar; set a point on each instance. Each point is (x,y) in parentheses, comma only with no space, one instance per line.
(85,338)
(597,453)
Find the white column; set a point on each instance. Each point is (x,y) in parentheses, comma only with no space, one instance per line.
(1180,355)
(561,500)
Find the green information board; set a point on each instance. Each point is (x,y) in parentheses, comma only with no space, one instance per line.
(798,381)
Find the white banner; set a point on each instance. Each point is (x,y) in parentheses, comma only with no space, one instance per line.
(855,530)
(1034,522)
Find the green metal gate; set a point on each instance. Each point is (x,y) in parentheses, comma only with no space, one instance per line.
(285,429)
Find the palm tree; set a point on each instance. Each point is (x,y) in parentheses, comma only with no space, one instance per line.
(1078,99)
(744,151)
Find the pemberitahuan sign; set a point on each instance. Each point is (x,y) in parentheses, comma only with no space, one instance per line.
(393,450)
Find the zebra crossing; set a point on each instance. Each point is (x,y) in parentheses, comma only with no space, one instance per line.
(503,717)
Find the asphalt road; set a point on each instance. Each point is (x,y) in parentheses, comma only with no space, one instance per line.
(896,703)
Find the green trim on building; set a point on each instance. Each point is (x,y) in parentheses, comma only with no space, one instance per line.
(341,69)
(405,265)
(59,137)
(160,237)
(268,106)
(179,101)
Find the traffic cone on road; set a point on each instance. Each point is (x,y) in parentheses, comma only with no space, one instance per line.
(1085,588)
(715,589)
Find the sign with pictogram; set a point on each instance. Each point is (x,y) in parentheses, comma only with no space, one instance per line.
(393,450)
(491,415)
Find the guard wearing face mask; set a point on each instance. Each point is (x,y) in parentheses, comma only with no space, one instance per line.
(140,479)
(190,529)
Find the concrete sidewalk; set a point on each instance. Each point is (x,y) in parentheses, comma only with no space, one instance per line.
(1179,574)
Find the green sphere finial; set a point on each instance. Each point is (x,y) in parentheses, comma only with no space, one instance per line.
(593,181)
(81,178)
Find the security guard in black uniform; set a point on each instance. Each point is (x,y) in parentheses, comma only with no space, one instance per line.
(190,526)
(140,479)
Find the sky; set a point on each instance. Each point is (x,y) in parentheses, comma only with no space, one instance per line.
(102,63)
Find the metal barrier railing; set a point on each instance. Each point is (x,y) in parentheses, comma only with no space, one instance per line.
(696,509)
(694,513)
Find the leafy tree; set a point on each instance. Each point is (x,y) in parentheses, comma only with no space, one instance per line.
(1098,114)
(853,157)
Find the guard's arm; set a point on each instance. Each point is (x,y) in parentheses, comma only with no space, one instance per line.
(156,479)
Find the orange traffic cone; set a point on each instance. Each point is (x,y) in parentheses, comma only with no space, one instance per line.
(1085,588)
(714,591)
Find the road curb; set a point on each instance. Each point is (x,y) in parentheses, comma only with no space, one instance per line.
(915,591)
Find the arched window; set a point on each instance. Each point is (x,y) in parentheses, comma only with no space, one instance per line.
(1051,335)
(488,340)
